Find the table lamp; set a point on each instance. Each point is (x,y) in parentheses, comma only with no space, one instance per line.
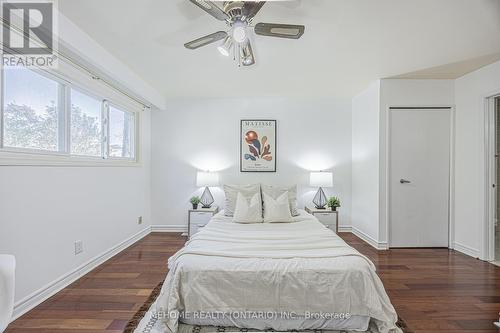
(320,179)
(207,179)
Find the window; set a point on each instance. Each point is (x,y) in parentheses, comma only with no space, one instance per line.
(30,111)
(121,129)
(85,124)
(43,113)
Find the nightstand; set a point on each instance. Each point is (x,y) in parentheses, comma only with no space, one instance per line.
(326,216)
(198,218)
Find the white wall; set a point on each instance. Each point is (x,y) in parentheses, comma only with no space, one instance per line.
(405,93)
(369,152)
(471,91)
(44,210)
(468,94)
(312,134)
(77,44)
(365,161)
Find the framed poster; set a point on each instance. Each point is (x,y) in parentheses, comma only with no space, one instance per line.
(258,145)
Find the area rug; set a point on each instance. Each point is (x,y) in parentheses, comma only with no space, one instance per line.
(146,321)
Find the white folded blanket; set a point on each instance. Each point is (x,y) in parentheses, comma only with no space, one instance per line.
(304,239)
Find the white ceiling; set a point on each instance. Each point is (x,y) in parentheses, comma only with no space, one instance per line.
(453,70)
(347,44)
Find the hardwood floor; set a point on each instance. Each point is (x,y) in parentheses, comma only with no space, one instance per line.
(437,290)
(433,290)
(105,299)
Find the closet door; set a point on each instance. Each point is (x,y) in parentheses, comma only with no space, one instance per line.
(419,153)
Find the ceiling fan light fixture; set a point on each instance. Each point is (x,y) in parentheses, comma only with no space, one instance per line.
(238,17)
(248,61)
(226,46)
(239,32)
(247,57)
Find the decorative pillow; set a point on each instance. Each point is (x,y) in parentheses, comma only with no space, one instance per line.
(248,211)
(277,210)
(231,192)
(276,191)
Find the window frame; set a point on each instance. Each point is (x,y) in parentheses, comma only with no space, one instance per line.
(64,157)
(68,108)
(61,140)
(119,107)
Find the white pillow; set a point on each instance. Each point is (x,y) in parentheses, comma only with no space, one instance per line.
(248,212)
(231,193)
(276,191)
(277,210)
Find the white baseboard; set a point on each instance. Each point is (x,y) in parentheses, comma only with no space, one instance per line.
(42,294)
(376,244)
(169,228)
(345,228)
(37,297)
(466,250)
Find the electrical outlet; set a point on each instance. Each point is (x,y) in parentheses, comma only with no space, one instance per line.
(139,220)
(78,247)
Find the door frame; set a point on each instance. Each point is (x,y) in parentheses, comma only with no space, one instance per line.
(488,234)
(451,186)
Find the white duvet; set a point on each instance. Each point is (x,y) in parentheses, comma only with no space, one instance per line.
(300,268)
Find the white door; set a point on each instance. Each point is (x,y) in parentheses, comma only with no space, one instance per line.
(419,177)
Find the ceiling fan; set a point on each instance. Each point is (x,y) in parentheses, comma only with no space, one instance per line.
(238,15)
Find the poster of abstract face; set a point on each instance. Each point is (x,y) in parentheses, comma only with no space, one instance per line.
(258,146)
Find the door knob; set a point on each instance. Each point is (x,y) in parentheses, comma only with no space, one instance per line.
(404,181)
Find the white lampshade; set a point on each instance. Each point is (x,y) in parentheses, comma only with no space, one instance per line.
(321,179)
(206,178)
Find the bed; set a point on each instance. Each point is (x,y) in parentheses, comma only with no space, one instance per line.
(280,276)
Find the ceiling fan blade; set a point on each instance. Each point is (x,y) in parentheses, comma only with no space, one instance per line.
(211,8)
(280,30)
(205,40)
(251,8)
